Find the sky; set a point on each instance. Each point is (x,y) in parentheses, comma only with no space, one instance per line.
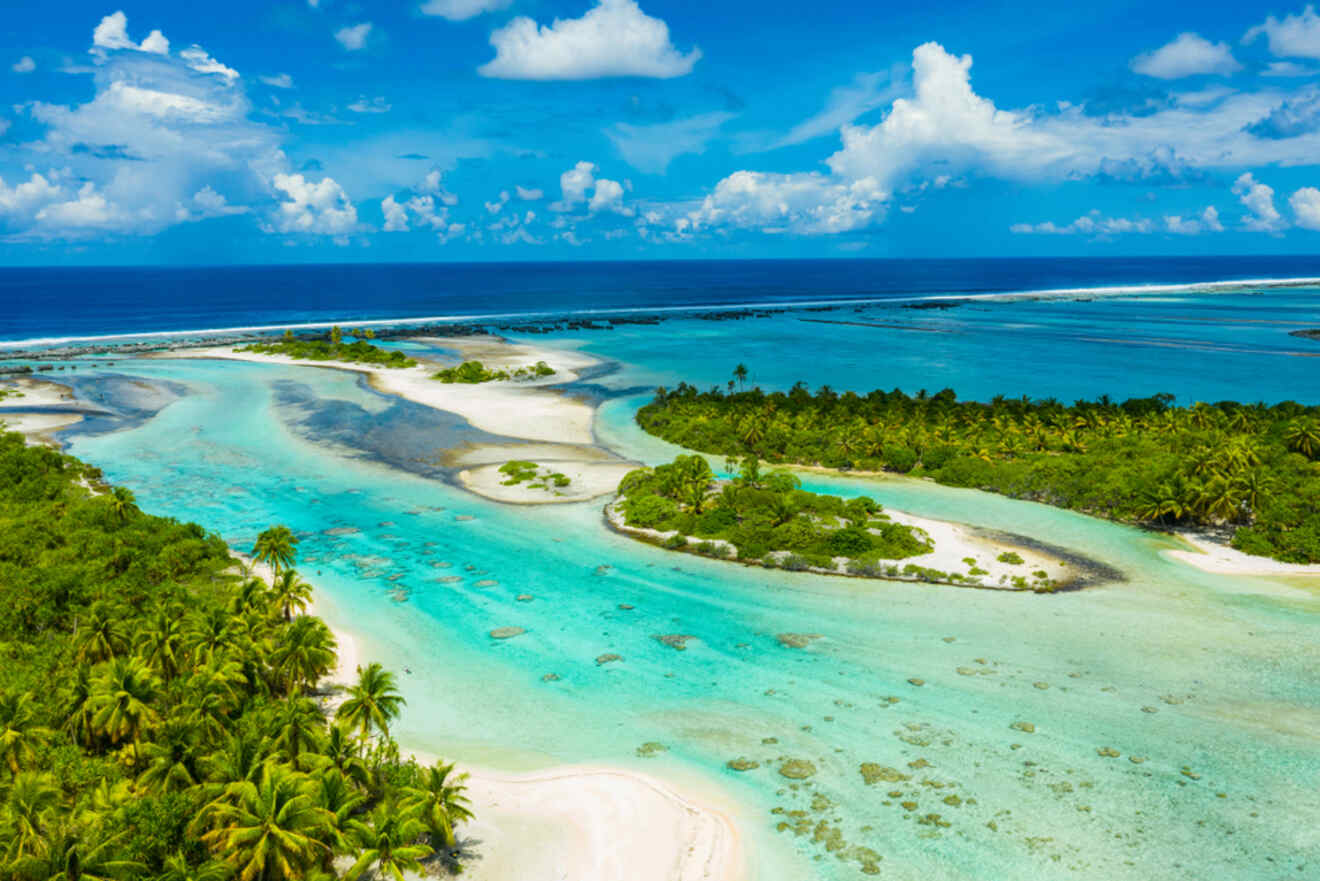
(255,131)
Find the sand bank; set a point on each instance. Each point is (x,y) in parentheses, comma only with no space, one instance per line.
(526,410)
(587,480)
(21,412)
(1212,556)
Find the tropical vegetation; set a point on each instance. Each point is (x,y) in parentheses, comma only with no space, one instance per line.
(1249,470)
(331,347)
(163,718)
(518,471)
(472,372)
(764,517)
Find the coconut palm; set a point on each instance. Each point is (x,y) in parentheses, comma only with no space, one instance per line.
(278,547)
(75,707)
(1303,436)
(122,503)
(341,753)
(290,593)
(294,727)
(373,702)
(388,845)
(177,868)
(440,804)
(78,853)
(270,830)
(102,636)
(120,702)
(171,758)
(304,654)
(20,735)
(28,807)
(161,641)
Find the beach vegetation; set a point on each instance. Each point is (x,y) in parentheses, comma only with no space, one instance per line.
(761,516)
(331,347)
(1247,472)
(472,372)
(160,716)
(518,471)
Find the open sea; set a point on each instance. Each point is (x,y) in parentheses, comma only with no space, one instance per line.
(1206,685)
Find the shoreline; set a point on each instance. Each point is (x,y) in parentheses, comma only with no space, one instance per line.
(586,822)
(1209,555)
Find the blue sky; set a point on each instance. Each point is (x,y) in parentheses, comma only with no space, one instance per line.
(329,131)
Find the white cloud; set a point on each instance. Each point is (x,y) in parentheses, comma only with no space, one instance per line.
(614,38)
(867,92)
(27,197)
(1206,221)
(810,204)
(528,195)
(88,209)
(396,215)
(1296,36)
(279,81)
(1305,204)
(353,37)
(375,105)
(197,59)
(573,185)
(651,148)
(1288,69)
(1091,224)
(1188,55)
(320,207)
(24,65)
(607,196)
(209,203)
(1259,201)
(498,205)
(112,33)
(431,184)
(462,10)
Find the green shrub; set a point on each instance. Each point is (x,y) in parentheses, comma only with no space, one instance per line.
(1012,558)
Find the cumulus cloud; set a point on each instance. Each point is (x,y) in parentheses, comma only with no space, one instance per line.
(1305,204)
(529,194)
(354,37)
(607,196)
(1090,224)
(810,204)
(197,59)
(1258,199)
(1299,115)
(573,185)
(614,38)
(651,148)
(1296,36)
(1288,69)
(1206,221)
(1188,55)
(462,10)
(112,33)
(24,65)
(318,207)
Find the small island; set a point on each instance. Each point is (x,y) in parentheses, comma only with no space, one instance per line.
(331,347)
(536,477)
(1242,473)
(474,372)
(767,519)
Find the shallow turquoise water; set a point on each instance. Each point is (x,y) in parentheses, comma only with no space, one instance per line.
(1229,665)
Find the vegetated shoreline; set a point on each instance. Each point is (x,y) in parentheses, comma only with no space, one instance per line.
(588,822)
(1154,466)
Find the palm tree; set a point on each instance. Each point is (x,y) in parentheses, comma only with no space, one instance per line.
(1303,436)
(20,735)
(210,632)
(177,868)
(340,753)
(27,809)
(241,760)
(340,797)
(212,695)
(160,643)
(171,759)
(270,830)
(305,653)
(295,727)
(372,703)
(102,637)
(78,854)
(121,702)
(290,593)
(440,804)
(277,546)
(122,503)
(740,374)
(388,845)
(77,712)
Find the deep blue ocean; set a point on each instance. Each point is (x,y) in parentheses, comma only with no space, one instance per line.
(58,303)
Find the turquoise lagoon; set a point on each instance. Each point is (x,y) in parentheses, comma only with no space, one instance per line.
(1190,672)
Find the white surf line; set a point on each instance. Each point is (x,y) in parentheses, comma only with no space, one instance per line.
(1104,290)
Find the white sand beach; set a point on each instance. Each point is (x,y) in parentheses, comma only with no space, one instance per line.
(587,480)
(17,410)
(1220,559)
(580,822)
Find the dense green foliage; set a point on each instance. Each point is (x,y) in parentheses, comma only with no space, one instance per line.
(333,348)
(159,717)
(1248,467)
(766,517)
(521,471)
(472,372)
